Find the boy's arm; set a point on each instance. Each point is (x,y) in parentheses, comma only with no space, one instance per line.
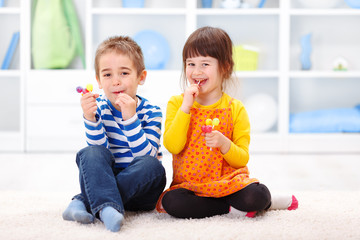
(144,137)
(238,154)
(95,132)
(176,126)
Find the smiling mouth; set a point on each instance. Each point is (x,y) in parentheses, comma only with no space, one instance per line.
(200,82)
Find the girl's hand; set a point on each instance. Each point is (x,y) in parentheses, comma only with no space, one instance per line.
(189,97)
(127,105)
(88,105)
(216,139)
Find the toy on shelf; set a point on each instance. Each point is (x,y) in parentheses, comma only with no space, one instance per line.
(319,3)
(340,64)
(155,48)
(133,3)
(245,58)
(88,88)
(262,110)
(353,3)
(206,3)
(11,50)
(306,52)
(230,3)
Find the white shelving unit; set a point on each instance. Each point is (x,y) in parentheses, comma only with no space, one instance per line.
(44,107)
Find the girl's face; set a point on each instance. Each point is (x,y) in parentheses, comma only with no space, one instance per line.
(117,74)
(204,71)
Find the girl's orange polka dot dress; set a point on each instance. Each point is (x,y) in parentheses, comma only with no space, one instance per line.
(205,171)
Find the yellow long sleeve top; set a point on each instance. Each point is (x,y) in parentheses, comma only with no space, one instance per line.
(177,124)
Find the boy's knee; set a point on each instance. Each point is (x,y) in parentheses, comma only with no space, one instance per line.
(150,163)
(94,153)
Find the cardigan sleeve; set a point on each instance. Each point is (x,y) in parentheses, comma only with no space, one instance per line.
(176,126)
(238,154)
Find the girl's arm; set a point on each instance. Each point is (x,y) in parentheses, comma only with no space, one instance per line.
(176,126)
(238,154)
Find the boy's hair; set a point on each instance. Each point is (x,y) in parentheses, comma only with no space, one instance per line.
(213,42)
(121,45)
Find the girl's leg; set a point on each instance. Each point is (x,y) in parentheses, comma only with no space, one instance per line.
(98,183)
(141,183)
(282,202)
(254,197)
(183,203)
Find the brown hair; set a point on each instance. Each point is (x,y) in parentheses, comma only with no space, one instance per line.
(213,42)
(122,45)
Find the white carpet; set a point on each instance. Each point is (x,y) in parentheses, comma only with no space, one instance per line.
(321,215)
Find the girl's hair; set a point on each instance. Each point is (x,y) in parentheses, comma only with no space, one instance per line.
(121,45)
(213,42)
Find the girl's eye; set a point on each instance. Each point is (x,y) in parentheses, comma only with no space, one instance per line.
(205,64)
(124,73)
(191,64)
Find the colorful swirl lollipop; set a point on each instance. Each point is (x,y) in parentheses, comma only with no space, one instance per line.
(82,90)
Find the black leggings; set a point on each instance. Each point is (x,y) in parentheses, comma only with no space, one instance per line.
(183,203)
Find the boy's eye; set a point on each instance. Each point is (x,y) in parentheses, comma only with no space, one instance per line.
(124,73)
(107,75)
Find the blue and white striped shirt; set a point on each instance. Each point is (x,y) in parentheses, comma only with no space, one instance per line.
(137,136)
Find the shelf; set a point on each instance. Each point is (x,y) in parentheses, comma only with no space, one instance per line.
(9,10)
(241,11)
(139,11)
(10,73)
(324,74)
(11,141)
(324,12)
(36,96)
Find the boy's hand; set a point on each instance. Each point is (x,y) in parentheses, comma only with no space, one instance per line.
(216,139)
(88,105)
(127,105)
(189,97)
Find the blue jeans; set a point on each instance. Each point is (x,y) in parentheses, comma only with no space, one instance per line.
(135,188)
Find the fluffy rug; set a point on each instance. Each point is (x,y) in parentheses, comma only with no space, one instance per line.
(321,215)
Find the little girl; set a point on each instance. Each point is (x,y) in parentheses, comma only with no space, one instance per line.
(210,176)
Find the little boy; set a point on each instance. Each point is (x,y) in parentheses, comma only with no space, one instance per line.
(119,170)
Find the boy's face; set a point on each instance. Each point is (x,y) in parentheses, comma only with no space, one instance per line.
(117,74)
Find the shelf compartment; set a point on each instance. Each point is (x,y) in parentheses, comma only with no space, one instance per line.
(259,31)
(310,94)
(57,86)
(7,30)
(103,27)
(61,128)
(11,113)
(251,91)
(253,4)
(332,37)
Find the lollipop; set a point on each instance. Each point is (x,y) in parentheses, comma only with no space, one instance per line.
(82,90)
(210,124)
(215,122)
(207,128)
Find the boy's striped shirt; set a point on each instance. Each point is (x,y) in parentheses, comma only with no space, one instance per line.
(128,139)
